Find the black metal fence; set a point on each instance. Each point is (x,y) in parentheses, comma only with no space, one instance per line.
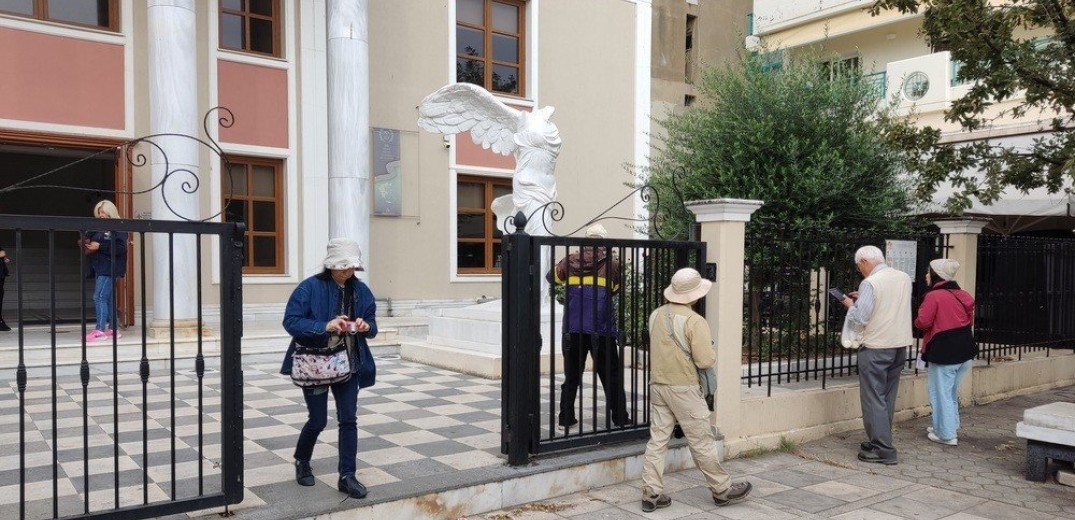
(99,435)
(1025,295)
(792,326)
(551,396)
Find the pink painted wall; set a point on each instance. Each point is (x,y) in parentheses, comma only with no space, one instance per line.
(258,98)
(470,154)
(55,79)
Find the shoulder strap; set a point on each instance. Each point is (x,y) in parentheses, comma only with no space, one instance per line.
(675,331)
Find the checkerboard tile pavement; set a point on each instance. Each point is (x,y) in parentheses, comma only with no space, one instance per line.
(416,425)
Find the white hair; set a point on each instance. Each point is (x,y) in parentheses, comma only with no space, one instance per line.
(869,253)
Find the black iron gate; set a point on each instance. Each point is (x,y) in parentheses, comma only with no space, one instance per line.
(1024,295)
(130,427)
(541,345)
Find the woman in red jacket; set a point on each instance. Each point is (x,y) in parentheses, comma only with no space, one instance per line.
(946,316)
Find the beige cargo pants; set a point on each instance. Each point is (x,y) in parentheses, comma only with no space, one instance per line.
(685,404)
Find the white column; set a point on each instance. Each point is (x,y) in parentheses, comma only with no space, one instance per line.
(724,232)
(643,48)
(349,122)
(173,108)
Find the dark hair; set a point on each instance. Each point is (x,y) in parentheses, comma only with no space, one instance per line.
(325,274)
(933,276)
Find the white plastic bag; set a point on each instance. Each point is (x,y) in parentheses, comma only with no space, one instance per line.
(848,337)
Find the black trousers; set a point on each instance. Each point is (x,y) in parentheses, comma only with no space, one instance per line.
(2,298)
(609,368)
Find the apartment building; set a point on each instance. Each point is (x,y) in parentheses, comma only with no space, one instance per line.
(921,79)
(85,75)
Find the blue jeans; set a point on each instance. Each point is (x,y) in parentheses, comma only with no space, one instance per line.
(346,397)
(102,301)
(944,396)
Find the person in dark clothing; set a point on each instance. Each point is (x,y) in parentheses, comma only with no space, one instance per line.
(107,252)
(316,316)
(589,327)
(4,260)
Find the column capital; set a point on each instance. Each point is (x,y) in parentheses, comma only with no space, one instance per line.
(963,225)
(723,210)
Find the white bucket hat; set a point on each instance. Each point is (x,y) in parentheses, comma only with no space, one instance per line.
(687,287)
(343,253)
(945,268)
(596,231)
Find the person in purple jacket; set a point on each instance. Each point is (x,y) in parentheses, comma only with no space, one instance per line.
(591,278)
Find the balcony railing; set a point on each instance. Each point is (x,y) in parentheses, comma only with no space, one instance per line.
(879,82)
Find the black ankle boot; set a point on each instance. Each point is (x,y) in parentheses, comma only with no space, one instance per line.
(303,474)
(350,485)
(4,327)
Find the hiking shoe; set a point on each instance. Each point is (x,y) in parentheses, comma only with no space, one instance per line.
(303,474)
(867,446)
(948,442)
(655,502)
(735,493)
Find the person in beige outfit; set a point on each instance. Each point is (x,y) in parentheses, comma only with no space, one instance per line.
(675,394)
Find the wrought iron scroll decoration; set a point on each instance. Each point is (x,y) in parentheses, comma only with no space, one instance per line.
(555,212)
(140,159)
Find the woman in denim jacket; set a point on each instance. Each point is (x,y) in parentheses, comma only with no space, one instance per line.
(315,317)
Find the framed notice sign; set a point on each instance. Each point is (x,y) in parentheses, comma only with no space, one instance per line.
(902,255)
(387,173)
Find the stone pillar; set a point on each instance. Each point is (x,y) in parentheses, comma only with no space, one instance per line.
(173,108)
(963,242)
(724,231)
(349,122)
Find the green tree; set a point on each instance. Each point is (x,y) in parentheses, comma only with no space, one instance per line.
(820,152)
(821,149)
(994,43)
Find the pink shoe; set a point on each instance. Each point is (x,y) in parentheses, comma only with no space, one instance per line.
(95,335)
(110,332)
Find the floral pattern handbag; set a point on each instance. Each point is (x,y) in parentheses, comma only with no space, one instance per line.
(320,366)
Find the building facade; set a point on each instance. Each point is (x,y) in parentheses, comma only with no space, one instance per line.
(891,51)
(313,136)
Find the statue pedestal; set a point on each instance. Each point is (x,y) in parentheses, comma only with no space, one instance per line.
(468,340)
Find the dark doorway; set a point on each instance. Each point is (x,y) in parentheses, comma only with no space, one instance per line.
(18,163)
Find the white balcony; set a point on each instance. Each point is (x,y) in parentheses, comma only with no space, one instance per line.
(926,83)
(772,15)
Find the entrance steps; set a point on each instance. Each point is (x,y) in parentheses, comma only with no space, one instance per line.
(259,338)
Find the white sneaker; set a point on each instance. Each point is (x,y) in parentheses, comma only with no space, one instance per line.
(949,442)
(929,429)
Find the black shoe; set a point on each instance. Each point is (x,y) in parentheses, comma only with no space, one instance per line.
(350,485)
(736,493)
(867,446)
(876,458)
(567,422)
(621,420)
(651,504)
(303,474)
(4,327)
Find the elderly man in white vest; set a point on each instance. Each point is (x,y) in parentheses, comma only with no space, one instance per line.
(881,315)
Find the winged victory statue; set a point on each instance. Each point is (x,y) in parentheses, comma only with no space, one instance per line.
(530,136)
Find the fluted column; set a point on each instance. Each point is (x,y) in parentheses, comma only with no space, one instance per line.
(173,108)
(349,122)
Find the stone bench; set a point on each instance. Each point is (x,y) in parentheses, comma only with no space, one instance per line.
(1049,431)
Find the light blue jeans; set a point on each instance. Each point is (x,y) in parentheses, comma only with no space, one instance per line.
(944,396)
(102,301)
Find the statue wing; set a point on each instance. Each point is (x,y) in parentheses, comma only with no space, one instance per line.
(462,106)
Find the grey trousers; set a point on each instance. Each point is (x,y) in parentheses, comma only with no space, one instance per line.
(879,382)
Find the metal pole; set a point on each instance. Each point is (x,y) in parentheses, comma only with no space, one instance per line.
(519,349)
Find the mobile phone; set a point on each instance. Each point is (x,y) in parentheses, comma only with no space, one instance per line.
(838,294)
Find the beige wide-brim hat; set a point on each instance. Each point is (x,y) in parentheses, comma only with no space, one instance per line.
(343,253)
(687,287)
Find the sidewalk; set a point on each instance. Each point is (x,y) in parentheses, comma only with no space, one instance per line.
(982,478)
